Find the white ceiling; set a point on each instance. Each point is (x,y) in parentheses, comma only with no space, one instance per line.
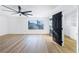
(37,10)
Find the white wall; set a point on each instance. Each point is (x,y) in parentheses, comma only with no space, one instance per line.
(71,25)
(70,21)
(3,25)
(78,29)
(19,25)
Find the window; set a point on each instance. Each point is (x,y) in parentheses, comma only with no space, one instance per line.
(35,24)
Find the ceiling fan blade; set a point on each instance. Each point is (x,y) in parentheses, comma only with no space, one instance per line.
(19,9)
(9,8)
(27,11)
(28,14)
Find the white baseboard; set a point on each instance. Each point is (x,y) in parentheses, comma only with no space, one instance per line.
(2,34)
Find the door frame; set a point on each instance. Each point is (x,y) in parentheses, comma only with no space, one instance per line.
(63,28)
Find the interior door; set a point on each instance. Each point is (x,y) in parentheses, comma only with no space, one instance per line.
(57,28)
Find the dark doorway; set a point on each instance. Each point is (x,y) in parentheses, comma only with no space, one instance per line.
(57,28)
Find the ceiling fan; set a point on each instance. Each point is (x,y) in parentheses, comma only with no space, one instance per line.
(20,12)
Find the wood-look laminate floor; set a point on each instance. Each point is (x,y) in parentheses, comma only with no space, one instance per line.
(34,44)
